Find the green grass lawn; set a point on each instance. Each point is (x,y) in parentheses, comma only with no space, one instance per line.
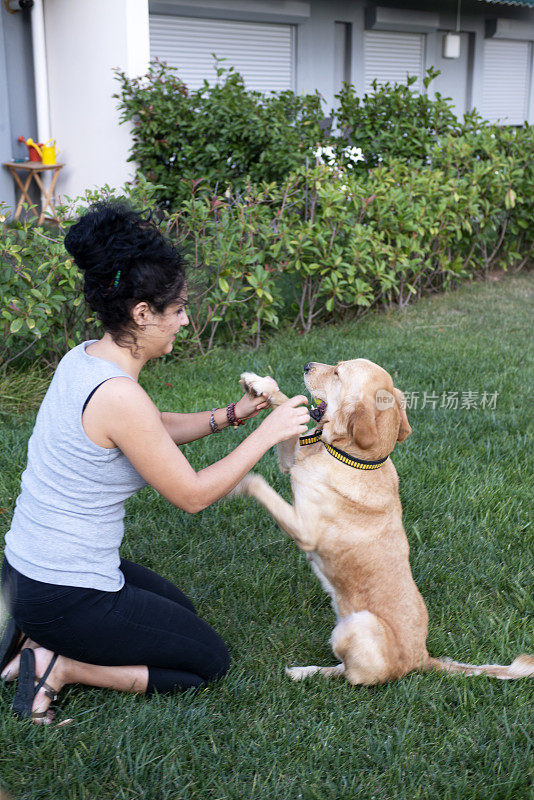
(466,489)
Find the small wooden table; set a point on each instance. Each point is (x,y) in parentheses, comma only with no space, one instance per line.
(33,169)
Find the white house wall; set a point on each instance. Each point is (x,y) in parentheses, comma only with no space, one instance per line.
(85,40)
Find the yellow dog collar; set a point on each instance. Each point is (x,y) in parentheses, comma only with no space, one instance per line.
(345,458)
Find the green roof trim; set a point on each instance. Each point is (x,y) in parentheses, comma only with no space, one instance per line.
(528,3)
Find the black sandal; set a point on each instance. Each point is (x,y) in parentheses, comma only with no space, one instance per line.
(10,643)
(26,688)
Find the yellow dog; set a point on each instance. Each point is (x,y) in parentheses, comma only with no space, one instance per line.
(347,517)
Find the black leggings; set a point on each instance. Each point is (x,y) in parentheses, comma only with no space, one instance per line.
(149,621)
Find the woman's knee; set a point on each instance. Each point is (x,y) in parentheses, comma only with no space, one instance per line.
(218,663)
(223,663)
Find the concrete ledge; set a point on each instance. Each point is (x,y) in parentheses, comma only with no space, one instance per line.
(288,11)
(400,19)
(509,29)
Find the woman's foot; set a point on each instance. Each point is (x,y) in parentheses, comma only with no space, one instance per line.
(42,676)
(56,679)
(38,663)
(11,670)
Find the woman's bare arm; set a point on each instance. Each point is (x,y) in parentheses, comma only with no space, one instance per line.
(183,428)
(134,424)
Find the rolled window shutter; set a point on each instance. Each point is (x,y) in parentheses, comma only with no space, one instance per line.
(262,53)
(389,56)
(506,81)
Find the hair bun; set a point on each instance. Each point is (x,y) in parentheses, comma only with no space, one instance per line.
(125,259)
(101,239)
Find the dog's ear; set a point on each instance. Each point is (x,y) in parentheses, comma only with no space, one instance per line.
(404,427)
(362,423)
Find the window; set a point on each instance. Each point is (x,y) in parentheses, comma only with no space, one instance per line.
(389,56)
(263,53)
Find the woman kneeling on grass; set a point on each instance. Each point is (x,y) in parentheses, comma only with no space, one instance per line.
(79,612)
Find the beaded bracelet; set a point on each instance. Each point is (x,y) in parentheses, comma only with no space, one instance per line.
(213,424)
(231,417)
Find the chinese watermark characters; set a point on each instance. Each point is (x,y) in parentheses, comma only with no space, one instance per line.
(449,400)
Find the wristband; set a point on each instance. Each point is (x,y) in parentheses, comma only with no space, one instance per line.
(231,417)
(213,424)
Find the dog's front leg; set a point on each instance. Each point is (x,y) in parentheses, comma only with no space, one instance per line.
(284,513)
(254,385)
(287,454)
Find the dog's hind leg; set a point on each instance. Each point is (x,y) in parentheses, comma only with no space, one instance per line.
(299,673)
(367,647)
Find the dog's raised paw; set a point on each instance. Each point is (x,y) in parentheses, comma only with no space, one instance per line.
(255,385)
(299,673)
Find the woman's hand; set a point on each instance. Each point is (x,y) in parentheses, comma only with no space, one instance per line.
(288,420)
(248,407)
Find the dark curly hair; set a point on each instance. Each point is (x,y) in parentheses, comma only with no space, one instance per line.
(126,260)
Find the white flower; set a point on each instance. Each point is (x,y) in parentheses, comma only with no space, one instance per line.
(354,154)
(325,153)
(330,154)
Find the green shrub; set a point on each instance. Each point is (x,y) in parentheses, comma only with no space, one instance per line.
(394,121)
(222,134)
(43,312)
(342,242)
(228,244)
(352,242)
(499,162)
(42,308)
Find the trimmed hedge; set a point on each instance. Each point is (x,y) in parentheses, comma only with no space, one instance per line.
(282,222)
(224,137)
(323,243)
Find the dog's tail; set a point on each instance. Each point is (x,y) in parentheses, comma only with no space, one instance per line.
(522,667)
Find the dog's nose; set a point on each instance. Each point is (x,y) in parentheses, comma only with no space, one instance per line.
(308,366)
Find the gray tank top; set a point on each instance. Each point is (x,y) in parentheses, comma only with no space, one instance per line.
(69,517)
